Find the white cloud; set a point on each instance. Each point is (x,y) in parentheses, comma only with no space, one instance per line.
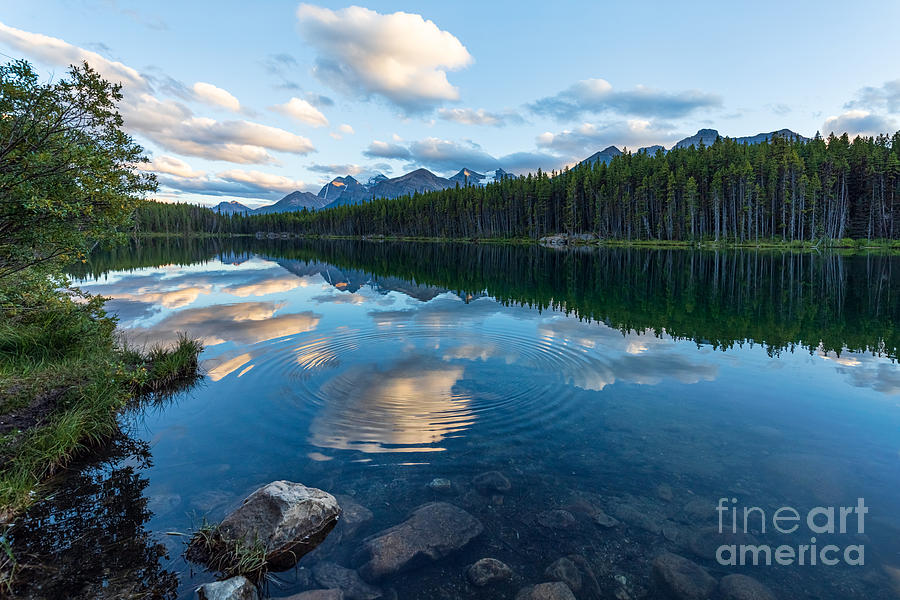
(171,166)
(588,138)
(54,51)
(302,111)
(859,122)
(379,149)
(341,131)
(216,96)
(267,181)
(167,122)
(173,126)
(399,56)
(598,95)
(470,116)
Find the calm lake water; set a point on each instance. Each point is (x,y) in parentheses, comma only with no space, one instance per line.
(640,384)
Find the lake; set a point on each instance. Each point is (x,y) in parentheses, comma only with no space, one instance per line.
(621,393)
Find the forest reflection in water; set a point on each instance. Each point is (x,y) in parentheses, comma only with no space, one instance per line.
(370,368)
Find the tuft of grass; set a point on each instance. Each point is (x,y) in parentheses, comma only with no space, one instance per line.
(226,556)
(64,378)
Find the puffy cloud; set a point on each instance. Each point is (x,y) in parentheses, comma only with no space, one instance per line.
(859,122)
(169,165)
(168,123)
(449,156)
(884,97)
(446,155)
(234,182)
(400,56)
(173,126)
(215,96)
(342,130)
(301,110)
(262,181)
(379,149)
(587,138)
(598,95)
(55,51)
(470,116)
(345,169)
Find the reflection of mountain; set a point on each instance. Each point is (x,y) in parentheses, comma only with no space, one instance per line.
(721,298)
(351,280)
(404,408)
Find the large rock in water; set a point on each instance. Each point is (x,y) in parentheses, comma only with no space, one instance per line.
(290,519)
(682,578)
(546,591)
(431,532)
(236,588)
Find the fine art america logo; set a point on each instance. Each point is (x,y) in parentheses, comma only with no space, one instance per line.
(737,523)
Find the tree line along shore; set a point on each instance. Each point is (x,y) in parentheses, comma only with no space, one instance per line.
(786,192)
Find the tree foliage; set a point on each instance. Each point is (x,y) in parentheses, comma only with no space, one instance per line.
(68,176)
(786,190)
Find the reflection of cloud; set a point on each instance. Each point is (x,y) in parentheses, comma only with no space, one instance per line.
(217,369)
(866,371)
(266,286)
(479,352)
(399,409)
(341,298)
(171,299)
(245,323)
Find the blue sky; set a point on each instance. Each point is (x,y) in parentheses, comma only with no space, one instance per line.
(250,101)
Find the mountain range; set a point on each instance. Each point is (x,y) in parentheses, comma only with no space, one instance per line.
(347,190)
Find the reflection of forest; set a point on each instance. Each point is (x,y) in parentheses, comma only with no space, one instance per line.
(777,299)
(89,539)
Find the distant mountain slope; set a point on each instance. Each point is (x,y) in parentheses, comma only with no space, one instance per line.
(292,202)
(604,156)
(344,190)
(230,208)
(467,177)
(420,180)
(708,137)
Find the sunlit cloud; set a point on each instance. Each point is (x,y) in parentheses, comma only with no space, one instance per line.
(216,96)
(859,122)
(400,56)
(302,111)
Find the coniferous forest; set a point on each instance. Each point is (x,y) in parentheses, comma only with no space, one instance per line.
(784,190)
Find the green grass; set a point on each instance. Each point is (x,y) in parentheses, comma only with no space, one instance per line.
(229,557)
(63,380)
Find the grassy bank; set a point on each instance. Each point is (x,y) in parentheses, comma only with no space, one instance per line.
(63,379)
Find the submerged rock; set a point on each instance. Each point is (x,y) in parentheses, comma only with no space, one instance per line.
(490,482)
(354,516)
(546,591)
(556,519)
(707,541)
(682,578)
(488,570)
(566,571)
(317,595)
(346,580)
(236,588)
(439,484)
(664,492)
(290,519)
(742,587)
(431,532)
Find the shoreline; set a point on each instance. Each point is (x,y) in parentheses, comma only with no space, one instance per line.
(845,245)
